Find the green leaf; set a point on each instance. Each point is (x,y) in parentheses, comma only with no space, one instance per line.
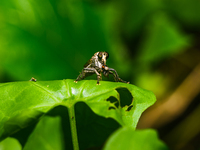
(22,103)
(127,138)
(10,144)
(164,38)
(47,135)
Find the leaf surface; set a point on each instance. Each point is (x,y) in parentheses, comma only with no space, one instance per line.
(21,103)
(10,144)
(47,135)
(127,138)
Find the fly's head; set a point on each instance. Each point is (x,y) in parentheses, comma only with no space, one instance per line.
(102,57)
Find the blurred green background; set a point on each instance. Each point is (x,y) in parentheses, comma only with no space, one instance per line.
(154,44)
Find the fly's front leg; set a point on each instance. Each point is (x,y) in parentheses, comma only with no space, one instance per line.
(116,79)
(116,76)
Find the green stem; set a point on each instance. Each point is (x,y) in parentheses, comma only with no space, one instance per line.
(72,121)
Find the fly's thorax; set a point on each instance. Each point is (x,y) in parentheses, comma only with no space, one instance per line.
(95,61)
(99,59)
(98,64)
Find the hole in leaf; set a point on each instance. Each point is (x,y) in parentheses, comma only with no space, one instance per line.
(129,108)
(111,108)
(126,97)
(114,101)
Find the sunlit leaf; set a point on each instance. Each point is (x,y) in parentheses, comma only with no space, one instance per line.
(127,138)
(10,144)
(21,103)
(163,39)
(47,135)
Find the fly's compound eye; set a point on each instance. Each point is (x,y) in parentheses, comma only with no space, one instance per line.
(100,55)
(107,55)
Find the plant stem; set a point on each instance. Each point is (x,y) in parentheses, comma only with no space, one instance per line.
(72,121)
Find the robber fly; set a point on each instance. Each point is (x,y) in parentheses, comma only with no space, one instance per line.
(33,79)
(97,64)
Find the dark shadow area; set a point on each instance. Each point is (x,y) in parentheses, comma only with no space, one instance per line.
(21,131)
(23,134)
(62,111)
(192,144)
(93,130)
(125,97)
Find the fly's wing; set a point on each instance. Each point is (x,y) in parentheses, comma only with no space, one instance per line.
(88,63)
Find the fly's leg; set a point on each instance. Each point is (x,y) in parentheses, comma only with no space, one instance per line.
(116,79)
(86,71)
(98,78)
(81,76)
(116,76)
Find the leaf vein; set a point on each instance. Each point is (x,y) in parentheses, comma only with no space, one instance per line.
(45,90)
